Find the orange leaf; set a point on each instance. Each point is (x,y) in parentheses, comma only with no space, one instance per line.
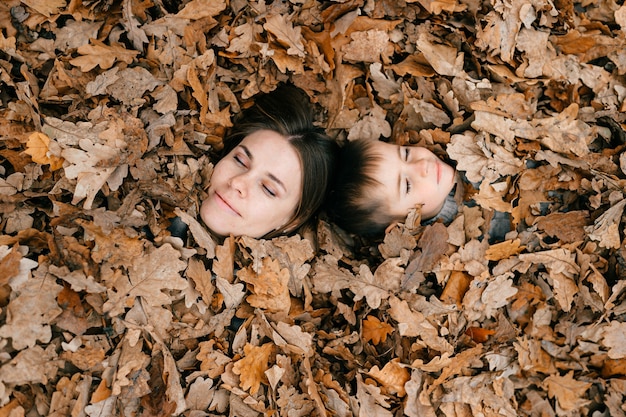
(101,393)
(270,289)
(251,368)
(375,330)
(38,147)
(478,334)
(393,376)
(455,289)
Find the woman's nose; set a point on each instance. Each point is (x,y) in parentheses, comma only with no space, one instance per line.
(240,184)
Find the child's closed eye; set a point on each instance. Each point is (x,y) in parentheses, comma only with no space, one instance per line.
(407,186)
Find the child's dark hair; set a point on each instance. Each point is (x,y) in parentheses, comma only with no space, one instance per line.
(349,205)
(287,111)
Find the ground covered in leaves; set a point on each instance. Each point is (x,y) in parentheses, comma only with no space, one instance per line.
(110,115)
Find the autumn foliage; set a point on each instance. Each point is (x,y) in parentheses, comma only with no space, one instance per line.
(111,116)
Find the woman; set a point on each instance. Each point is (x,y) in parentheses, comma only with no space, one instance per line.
(275,172)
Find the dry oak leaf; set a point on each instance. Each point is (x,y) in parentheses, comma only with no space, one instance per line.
(113,246)
(233,294)
(148,278)
(99,54)
(375,330)
(32,365)
(371,401)
(371,126)
(212,361)
(202,279)
(38,147)
(14,267)
(392,377)
(379,285)
(46,7)
(293,339)
(414,324)
(251,368)
(246,35)
(503,250)
(614,337)
(199,232)
(499,33)
(75,34)
(568,391)
(92,166)
(200,9)
(30,313)
(465,359)
(270,290)
(437,6)
(224,264)
(456,287)
(286,34)
(368,46)
(200,395)
(532,358)
(567,227)
(606,227)
(77,279)
(497,293)
(445,60)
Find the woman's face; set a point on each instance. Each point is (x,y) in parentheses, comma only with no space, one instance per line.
(255,189)
(411,176)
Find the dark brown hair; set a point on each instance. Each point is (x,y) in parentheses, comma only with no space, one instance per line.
(349,204)
(287,111)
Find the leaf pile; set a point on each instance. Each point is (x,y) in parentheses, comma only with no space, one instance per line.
(112,112)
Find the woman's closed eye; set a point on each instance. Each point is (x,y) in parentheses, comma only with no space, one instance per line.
(407,186)
(269,190)
(407,153)
(240,160)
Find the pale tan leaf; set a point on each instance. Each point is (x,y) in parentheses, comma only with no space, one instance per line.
(568,391)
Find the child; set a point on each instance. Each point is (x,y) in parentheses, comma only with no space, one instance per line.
(378,183)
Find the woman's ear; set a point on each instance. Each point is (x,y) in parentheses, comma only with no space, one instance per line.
(391,226)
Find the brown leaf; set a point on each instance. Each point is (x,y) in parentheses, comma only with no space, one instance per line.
(251,368)
(392,377)
(268,286)
(375,330)
(567,390)
(99,54)
(455,288)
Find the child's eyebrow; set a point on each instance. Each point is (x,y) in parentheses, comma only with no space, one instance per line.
(399,187)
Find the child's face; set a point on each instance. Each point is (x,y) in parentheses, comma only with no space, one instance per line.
(411,176)
(255,189)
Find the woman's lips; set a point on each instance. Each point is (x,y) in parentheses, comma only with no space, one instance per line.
(225,204)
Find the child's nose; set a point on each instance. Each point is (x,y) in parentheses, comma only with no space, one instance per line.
(421,167)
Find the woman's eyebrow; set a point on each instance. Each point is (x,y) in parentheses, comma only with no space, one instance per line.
(271,176)
(246,151)
(277,181)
